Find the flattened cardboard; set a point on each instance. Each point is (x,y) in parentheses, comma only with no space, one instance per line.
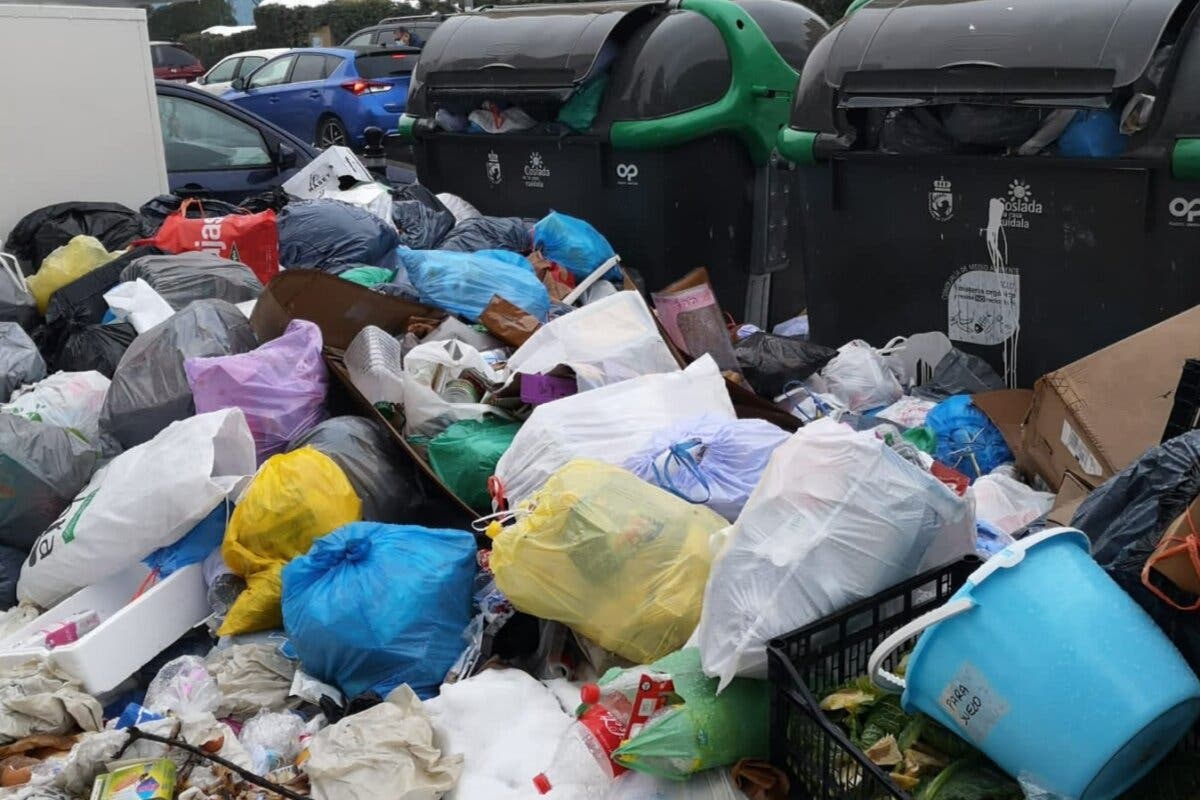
(1096,416)
(339,308)
(1007,409)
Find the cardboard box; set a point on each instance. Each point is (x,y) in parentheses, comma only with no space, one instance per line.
(1072,492)
(1178,567)
(1096,416)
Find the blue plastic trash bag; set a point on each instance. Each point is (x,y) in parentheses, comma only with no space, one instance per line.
(463,283)
(966,439)
(1093,134)
(573,244)
(195,546)
(333,236)
(709,460)
(371,606)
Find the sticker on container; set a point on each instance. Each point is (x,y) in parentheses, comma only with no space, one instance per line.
(973,705)
(1077,447)
(983,306)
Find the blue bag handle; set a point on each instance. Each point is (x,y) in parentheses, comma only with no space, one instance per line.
(680,454)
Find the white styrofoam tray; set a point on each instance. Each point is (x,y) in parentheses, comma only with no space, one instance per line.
(130,633)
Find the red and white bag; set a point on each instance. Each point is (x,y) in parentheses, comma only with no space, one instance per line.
(248,238)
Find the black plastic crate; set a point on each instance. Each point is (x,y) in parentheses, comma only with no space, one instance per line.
(804,666)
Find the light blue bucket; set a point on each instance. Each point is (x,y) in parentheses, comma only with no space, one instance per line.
(1050,669)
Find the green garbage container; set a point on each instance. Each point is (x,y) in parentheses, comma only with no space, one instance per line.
(674,166)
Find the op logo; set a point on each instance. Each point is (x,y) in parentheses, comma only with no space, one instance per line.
(941,201)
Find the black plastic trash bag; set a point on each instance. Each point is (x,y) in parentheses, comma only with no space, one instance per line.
(1125,518)
(41,231)
(180,279)
(489,233)
(10,570)
(420,217)
(81,303)
(155,210)
(42,468)
(771,362)
(386,479)
(333,236)
(959,373)
(20,361)
(149,389)
(98,347)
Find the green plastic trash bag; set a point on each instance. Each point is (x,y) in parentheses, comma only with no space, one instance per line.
(579,112)
(708,730)
(464,456)
(368,276)
(922,438)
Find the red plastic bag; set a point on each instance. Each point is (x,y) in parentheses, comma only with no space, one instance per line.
(248,238)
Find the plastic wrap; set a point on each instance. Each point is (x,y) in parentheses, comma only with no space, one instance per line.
(184,688)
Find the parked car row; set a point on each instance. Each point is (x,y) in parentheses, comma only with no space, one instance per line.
(326,96)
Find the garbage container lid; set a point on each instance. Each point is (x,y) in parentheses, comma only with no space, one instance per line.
(1005,47)
(546,49)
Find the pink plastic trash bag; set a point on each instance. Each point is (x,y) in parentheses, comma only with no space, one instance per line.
(280,386)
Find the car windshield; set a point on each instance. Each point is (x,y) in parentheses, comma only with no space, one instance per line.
(197,137)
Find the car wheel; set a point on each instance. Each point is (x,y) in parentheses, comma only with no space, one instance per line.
(330,132)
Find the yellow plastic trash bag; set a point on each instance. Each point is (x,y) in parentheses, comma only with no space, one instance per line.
(72,260)
(616,559)
(295,499)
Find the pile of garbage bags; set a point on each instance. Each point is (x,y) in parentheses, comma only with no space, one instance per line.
(477,522)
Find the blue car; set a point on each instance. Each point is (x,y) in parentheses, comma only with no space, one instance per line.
(215,149)
(329,96)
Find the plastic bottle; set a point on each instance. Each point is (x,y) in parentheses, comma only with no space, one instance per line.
(582,766)
(583,761)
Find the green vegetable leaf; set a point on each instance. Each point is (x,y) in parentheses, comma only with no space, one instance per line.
(885,718)
(971,778)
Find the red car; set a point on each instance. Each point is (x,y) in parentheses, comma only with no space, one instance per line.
(173,62)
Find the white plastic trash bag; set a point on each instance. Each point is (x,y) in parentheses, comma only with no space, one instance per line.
(859,378)
(1006,503)
(137,303)
(610,340)
(608,424)
(69,400)
(434,371)
(146,498)
(837,516)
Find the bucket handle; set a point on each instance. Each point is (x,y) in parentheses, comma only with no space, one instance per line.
(894,683)
(1005,559)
